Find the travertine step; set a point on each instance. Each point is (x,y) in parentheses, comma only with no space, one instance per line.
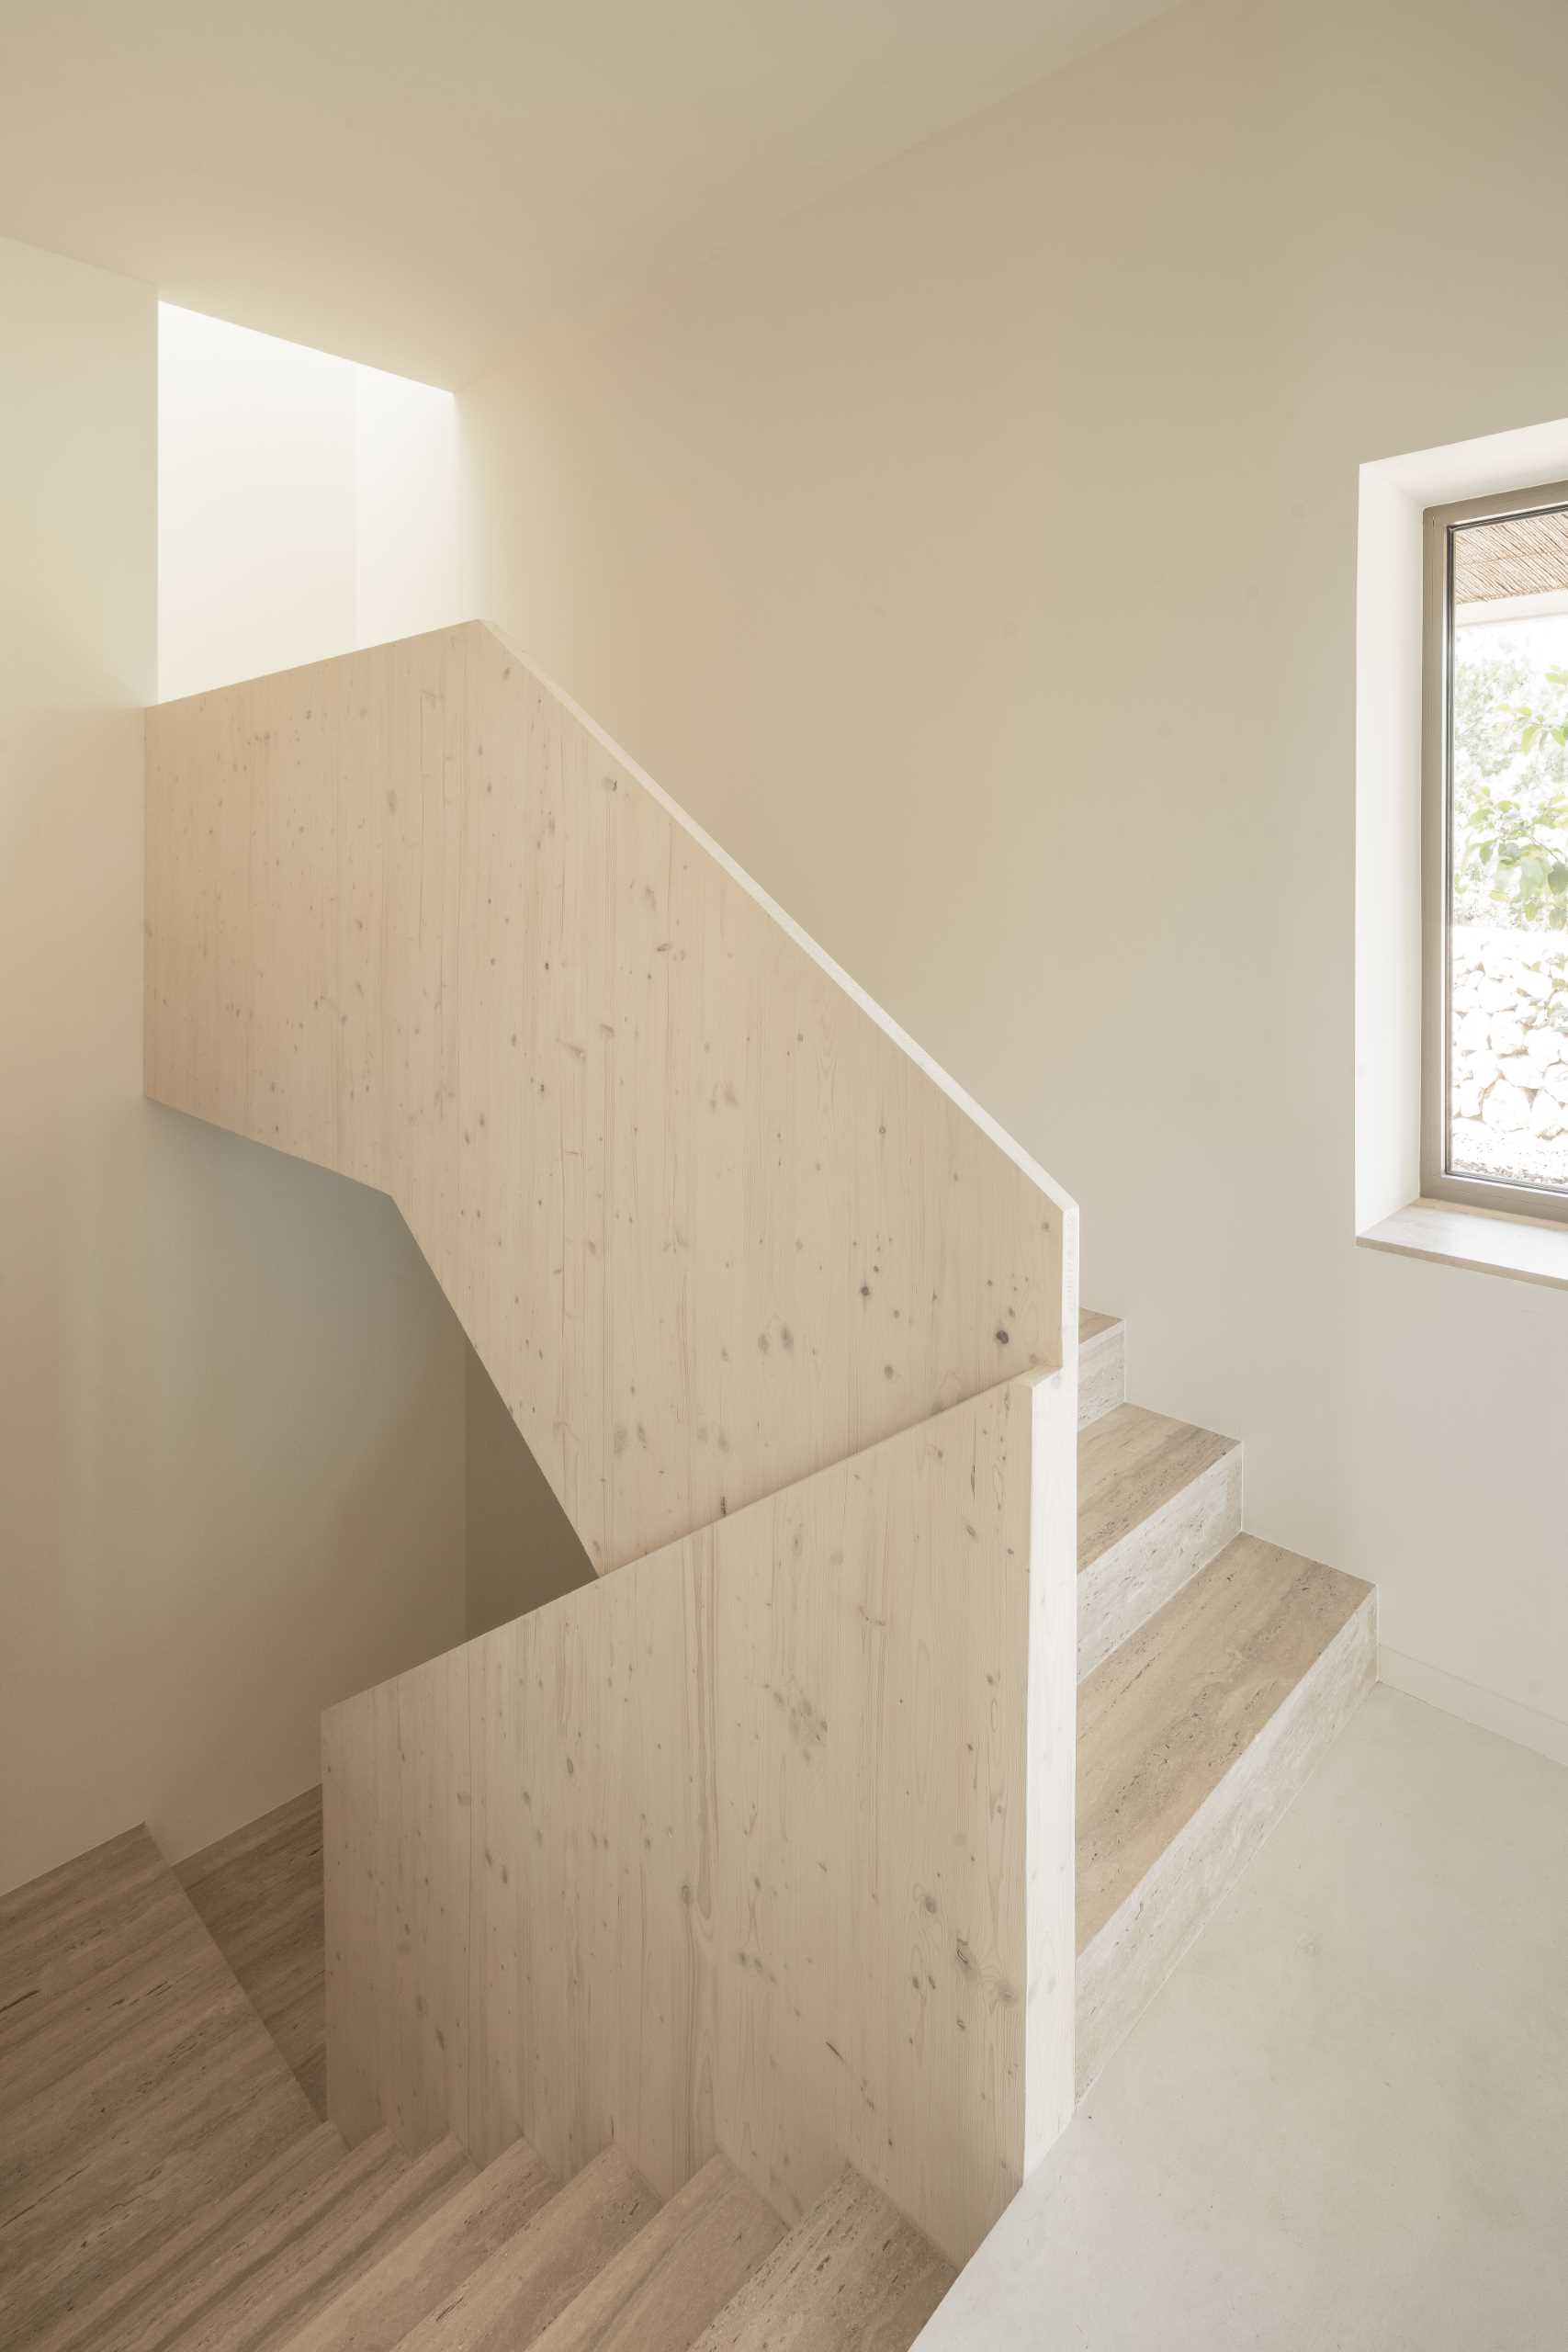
(660,2291)
(1102,1365)
(431,2261)
(138,2087)
(77,1923)
(852,2277)
(511,2299)
(1194,1737)
(268,2286)
(134,2301)
(1156,1500)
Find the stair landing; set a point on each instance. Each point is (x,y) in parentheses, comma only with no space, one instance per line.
(138,2087)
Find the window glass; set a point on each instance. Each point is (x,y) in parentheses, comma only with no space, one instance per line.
(1508,864)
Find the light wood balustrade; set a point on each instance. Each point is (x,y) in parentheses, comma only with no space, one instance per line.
(710,1218)
(763,1845)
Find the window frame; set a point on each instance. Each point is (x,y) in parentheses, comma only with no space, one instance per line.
(1438,524)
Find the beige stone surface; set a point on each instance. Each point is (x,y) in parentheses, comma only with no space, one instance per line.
(851,2276)
(1344,2120)
(1194,1737)
(1156,1500)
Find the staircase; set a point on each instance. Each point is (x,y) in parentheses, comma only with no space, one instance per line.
(1214,1670)
(699,1956)
(167,2183)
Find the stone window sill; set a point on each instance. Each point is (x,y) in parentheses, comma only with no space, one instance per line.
(1489,1242)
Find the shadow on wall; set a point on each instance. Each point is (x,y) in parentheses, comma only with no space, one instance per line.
(522,1550)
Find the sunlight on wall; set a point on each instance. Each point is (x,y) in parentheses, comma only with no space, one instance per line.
(305,505)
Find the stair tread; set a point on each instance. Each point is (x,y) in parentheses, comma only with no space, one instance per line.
(683,2266)
(265,2288)
(512,2298)
(1131,1463)
(1167,1714)
(142,2292)
(1091,1324)
(295,2222)
(853,2276)
(376,2310)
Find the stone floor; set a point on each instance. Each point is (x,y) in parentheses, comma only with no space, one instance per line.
(1343,2124)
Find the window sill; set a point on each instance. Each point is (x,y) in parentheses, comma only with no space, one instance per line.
(1486,1241)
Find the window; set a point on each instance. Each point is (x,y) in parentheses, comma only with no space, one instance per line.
(1494,1088)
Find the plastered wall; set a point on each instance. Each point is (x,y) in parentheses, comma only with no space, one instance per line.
(976,557)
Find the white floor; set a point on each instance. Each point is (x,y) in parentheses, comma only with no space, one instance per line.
(1343,2124)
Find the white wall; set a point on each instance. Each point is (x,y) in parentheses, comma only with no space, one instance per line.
(411,568)
(975,556)
(257,455)
(305,505)
(232,1399)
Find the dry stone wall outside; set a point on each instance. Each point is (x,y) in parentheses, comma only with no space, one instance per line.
(1510,1054)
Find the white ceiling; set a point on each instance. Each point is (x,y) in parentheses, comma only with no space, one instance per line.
(415,184)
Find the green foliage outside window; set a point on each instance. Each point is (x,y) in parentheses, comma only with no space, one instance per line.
(1510,791)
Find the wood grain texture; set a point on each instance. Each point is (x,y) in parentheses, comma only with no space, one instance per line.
(852,2277)
(1194,1737)
(764,1844)
(1157,1499)
(509,2300)
(660,2291)
(137,2086)
(259,1894)
(710,1220)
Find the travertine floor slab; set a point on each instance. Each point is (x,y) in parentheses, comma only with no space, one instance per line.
(1342,2122)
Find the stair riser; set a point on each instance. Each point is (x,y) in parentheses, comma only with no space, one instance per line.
(1125,1966)
(1137,1576)
(1102,1373)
